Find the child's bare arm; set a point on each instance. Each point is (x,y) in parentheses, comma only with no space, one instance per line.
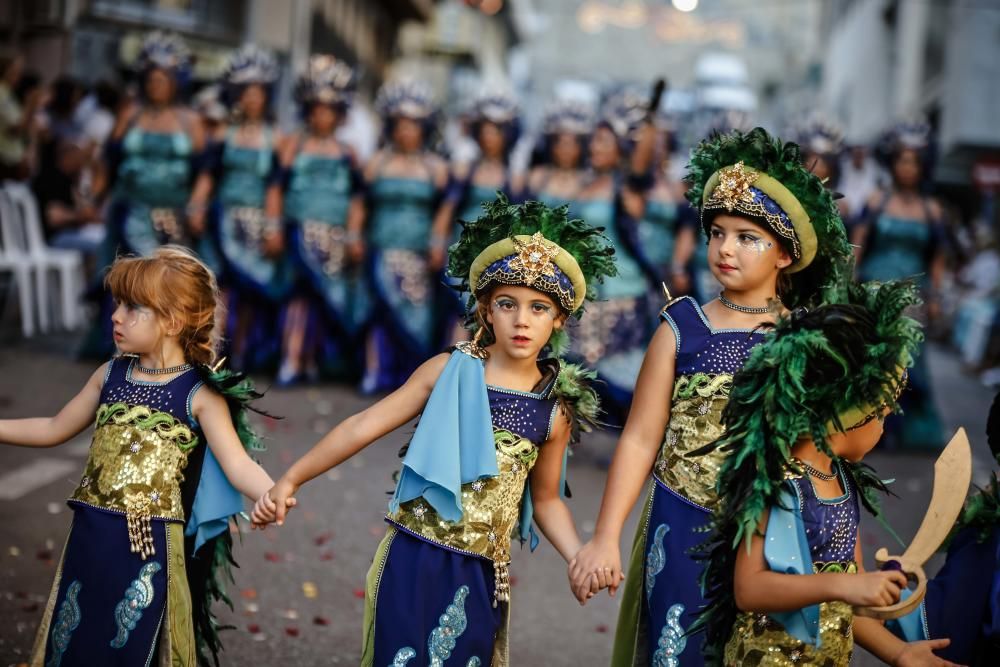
(759,589)
(212,413)
(633,460)
(75,416)
(552,514)
(357,432)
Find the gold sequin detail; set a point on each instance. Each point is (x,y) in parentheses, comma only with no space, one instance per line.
(695,420)
(491,507)
(760,641)
(135,466)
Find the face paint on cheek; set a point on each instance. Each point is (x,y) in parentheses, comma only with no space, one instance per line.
(137,315)
(753,246)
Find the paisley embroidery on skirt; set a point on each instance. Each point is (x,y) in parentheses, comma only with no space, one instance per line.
(69,618)
(138,596)
(451,626)
(672,639)
(656,558)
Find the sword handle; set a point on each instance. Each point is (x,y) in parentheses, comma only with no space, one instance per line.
(914,573)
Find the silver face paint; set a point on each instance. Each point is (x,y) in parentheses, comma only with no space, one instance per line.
(137,314)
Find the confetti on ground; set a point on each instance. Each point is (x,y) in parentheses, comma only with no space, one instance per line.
(309,590)
(253,628)
(14,551)
(55,508)
(334,474)
(326,556)
(323,538)
(601,629)
(359,593)
(289,614)
(292,631)
(321,620)
(324,408)
(249,593)
(251,607)
(272,557)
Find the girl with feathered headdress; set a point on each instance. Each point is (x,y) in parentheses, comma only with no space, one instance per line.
(901,234)
(314,210)
(775,242)
(229,202)
(784,556)
(488,453)
(406,246)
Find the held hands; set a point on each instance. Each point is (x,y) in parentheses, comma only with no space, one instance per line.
(274,505)
(595,567)
(872,589)
(921,654)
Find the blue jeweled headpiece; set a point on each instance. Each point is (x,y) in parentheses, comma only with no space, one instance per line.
(164,50)
(250,64)
(405,98)
(568,117)
(326,80)
(821,136)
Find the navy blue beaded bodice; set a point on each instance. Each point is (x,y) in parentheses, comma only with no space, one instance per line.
(702,349)
(831,523)
(173,396)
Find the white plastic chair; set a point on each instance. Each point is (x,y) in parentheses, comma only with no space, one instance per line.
(17,265)
(67,263)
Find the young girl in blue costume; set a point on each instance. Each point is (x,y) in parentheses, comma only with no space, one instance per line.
(773,235)
(489,452)
(163,477)
(785,562)
(239,168)
(319,192)
(901,234)
(612,198)
(405,182)
(560,177)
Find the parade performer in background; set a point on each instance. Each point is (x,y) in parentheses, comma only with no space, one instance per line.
(235,180)
(559,177)
(613,340)
(318,190)
(407,247)
(900,234)
(153,153)
(151,158)
(822,144)
(149,543)
(785,564)
(774,235)
(668,229)
(489,452)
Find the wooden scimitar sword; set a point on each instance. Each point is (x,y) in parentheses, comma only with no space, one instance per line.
(952,476)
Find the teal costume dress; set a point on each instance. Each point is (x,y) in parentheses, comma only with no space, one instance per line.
(901,248)
(612,339)
(318,193)
(405,324)
(237,219)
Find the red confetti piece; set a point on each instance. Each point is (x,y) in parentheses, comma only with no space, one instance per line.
(21,595)
(513,580)
(323,538)
(601,628)
(249,593)
(320,620)
(359,593)
(253,628)
(272,557)
(326,556)
(29,607)
(44,554)
(292,631)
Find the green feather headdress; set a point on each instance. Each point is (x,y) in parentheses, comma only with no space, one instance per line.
(585,254)
(816,367)
(775,169)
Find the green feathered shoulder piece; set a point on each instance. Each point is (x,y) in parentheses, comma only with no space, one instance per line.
(501,219)
(211,570)
(575,392)
(814,376)
(822,281)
